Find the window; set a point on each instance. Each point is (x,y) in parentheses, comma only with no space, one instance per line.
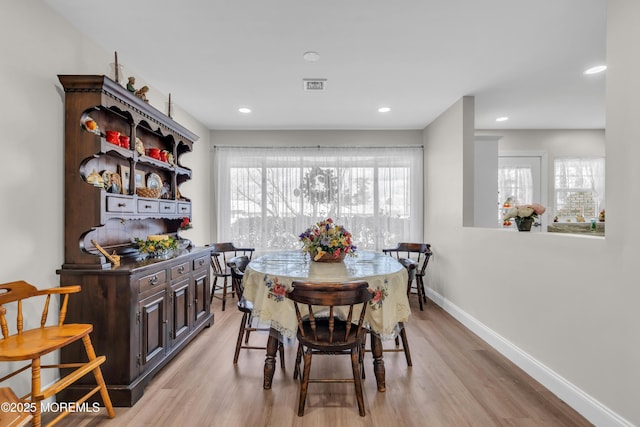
(266,197)
(579,187)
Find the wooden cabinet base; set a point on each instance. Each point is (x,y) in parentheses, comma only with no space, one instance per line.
(128,394)
(134,312)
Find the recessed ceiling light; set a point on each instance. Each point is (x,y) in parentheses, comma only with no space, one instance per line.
(244,110)
(596,70)
(311,56)
(384,109)
(502,119)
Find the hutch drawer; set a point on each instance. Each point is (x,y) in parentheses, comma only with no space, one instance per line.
(180,270)
(148,206)
(120,204)
(184,208)
(167,207)
(200,262)
(152,281)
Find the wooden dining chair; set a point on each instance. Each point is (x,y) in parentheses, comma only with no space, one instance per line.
(421,253)
(32,344)
(237,266)
(220,254)
(322,331)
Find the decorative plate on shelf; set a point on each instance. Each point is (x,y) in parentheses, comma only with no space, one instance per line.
(112,181)
(154,181)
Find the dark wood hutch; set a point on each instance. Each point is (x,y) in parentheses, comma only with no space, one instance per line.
(144,311)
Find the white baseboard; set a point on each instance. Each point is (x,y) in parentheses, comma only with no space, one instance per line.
(587,406)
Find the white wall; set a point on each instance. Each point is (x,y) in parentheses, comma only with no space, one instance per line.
(485,183)
(37,45)
(564,307)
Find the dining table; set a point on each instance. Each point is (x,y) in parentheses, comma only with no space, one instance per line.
(267,280)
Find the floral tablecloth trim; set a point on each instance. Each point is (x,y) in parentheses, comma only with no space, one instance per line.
(386,335)
(277,291)
(380,293)
(285,332)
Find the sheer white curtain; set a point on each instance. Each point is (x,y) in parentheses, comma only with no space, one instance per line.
(515,183)
(266,197)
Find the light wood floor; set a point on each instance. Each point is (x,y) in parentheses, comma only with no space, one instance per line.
(456,380)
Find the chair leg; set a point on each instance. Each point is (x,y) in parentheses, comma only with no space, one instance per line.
(362,361)
(405,345)
(281,351)
(213,289)
(419,289)
(224,294)
(248,332)
(363,349)
(296,369)
(304,384)
(97,373)
(355,366)
(35,390)
(424,293)
(240,336)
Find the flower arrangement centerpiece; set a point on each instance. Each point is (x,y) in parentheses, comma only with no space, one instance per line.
(157,246)
(326,241)
(524,215)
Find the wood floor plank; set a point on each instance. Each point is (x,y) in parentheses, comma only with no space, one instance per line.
(456,380)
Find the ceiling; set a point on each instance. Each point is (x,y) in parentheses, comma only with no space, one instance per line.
(521,59)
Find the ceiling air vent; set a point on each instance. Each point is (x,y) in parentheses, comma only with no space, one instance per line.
(314,85)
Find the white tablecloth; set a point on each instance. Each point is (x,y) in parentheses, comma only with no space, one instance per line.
(268,278)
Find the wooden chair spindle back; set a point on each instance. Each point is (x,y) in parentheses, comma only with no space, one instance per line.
(237,266)
(319,296)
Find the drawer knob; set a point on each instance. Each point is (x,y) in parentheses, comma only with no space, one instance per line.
(153,280)
(181,269)
(121,205)
(147,206)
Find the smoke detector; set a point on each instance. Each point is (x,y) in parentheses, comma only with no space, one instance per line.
(314,85)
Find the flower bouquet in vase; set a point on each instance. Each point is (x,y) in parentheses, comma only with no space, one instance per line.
(326,241)
(524,215)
